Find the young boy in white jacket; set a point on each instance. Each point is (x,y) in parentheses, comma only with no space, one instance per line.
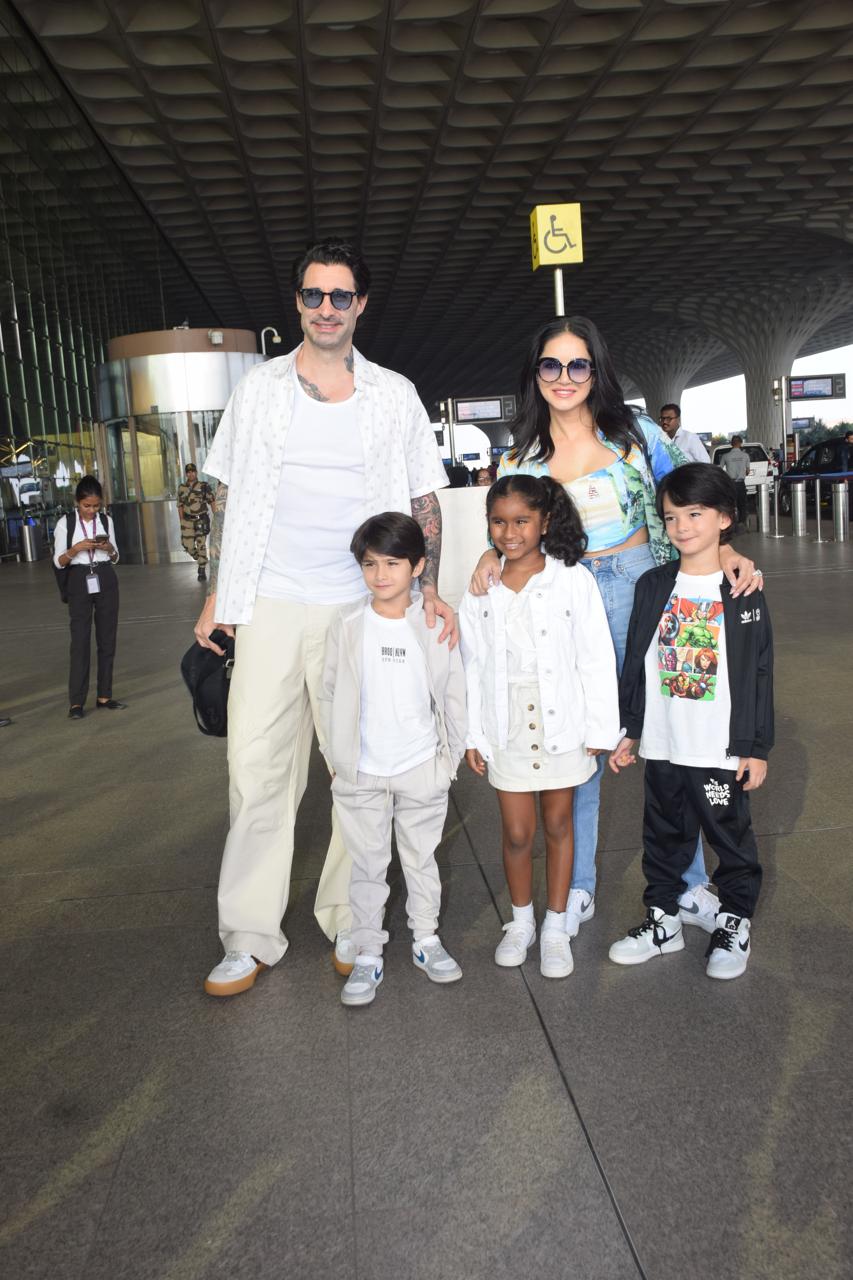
(392,706)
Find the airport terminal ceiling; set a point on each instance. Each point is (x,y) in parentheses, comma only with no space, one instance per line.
(709,143)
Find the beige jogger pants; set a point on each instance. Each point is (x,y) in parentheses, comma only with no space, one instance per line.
(271,718)
(417,802)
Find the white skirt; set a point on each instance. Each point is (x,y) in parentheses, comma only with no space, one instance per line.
(524,764)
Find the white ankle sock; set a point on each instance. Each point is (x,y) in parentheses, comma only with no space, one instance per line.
(524,915)
(554,920)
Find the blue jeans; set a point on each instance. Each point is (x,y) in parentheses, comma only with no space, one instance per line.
(615,576)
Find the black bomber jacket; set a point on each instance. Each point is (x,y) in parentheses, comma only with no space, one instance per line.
(749,658)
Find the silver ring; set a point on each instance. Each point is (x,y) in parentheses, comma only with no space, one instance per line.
(758,573)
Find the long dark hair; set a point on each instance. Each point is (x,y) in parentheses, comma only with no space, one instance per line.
(564,539)
(531,426)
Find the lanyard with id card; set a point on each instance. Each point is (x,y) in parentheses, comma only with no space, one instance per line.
(93,582)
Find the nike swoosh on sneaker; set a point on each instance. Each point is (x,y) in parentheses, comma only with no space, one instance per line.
(691,910)
(377,975)
(744,946)
(421,958)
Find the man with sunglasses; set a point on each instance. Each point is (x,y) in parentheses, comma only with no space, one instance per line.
(687,441)
(309,446)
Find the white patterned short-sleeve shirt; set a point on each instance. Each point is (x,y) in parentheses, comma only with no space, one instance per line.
(402,462)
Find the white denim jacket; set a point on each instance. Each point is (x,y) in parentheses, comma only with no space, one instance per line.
(401,462)
(575,663)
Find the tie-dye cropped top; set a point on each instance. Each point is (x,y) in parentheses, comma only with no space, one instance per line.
(619,499)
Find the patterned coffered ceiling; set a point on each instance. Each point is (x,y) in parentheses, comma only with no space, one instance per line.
(710,144)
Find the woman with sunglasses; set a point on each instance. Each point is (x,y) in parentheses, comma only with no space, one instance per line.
(573,425)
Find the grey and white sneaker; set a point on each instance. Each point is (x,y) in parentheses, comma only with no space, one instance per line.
(236,972)
(698,906)
(430,956)
(555,953)
(728,950)
(513,946)
(360,987)
(579,908)
(656,936)
(343,957)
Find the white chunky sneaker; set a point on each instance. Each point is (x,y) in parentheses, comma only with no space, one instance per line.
(430,956)
(698,906)
(728,950)
(555,953)
(235,972)
(360,986)
(343,957)
(656,936)
(513,946)
(579,908)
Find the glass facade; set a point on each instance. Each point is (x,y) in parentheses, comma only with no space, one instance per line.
(80,261)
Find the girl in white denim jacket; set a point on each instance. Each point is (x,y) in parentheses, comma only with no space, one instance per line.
(542,696)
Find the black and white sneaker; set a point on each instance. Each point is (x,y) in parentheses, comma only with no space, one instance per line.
(656,936)
(728,950)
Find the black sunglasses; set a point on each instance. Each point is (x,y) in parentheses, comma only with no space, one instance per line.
(550,369)
(341,299)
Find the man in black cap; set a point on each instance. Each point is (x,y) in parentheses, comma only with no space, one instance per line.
(194,498)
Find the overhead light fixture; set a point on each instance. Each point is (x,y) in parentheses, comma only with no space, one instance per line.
(216,337)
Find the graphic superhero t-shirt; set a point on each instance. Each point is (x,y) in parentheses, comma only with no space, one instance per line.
(688,705)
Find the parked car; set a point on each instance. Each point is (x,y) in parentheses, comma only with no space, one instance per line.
(761,464)
(821,459)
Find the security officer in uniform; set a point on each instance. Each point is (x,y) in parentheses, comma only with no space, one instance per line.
(194,497)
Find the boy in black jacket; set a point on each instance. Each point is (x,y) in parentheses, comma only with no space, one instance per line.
(697,689)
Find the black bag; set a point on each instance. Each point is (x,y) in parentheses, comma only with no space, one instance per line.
(61,575)
(207,677)
(202,523)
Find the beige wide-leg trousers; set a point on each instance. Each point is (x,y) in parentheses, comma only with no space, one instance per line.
(272,713)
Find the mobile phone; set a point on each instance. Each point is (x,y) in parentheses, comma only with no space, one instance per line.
(101,537)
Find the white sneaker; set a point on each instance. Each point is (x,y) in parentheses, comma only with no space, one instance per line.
(360,987)
(698,906)
(430,956)
(235,972)
(555,953)
(343,957)
(656,936)
(579,908)
(728,950)
(513,946)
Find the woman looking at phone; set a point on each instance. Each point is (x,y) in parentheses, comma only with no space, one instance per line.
(84,542)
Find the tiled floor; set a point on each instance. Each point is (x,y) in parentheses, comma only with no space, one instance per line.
(618,1124)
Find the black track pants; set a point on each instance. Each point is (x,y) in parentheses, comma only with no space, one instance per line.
(681,800)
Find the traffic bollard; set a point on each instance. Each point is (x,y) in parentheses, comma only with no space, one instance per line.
(840,512)
(798,509)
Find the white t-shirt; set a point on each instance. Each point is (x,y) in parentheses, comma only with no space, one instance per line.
(397,726)
(320,505)
(688,704)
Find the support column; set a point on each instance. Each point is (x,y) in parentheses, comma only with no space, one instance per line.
(767,330)
(662,360)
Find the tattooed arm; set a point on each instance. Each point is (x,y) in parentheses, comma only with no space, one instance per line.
(207,620)
(427,512)
(217,528)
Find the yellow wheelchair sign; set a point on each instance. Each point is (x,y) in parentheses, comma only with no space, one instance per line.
(555,235)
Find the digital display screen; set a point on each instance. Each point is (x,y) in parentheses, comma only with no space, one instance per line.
(831,386)
(801,424)
(478,410)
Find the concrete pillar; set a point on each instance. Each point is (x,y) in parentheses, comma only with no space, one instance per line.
(767,329)
(663,359)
